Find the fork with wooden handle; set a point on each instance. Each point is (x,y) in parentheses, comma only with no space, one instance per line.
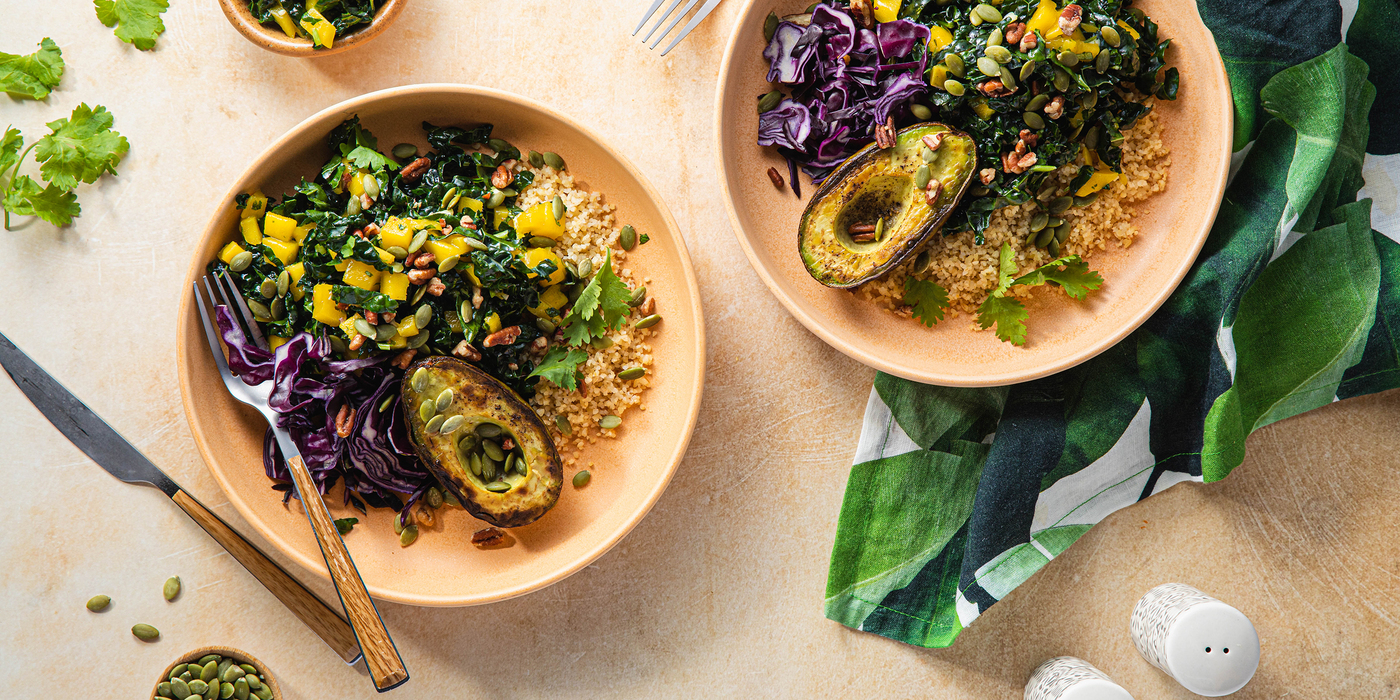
(386,667)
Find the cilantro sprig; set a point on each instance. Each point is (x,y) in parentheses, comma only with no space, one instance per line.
(928,299)
(137,22)
(560,366)
(78,149)
(601,306)
(1008,314)
(32,76)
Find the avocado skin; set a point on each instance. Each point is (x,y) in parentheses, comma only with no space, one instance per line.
(481,398)
(827,251)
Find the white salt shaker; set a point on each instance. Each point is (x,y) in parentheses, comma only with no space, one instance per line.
(1208,647)
(1068,678)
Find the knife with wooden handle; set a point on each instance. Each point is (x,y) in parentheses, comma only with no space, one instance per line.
(121,459)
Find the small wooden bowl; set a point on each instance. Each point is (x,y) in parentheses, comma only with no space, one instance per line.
(274,39)
(241,657)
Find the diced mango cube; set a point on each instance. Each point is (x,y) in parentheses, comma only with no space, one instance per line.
(398,341)
(299,233)
(286,251)
(255,206)
(395,285)
(273,341)
(409,327)
(385,256)
(493,323)
(348,326)
(357,184)
(297,270)
(284,20)
(552,303)
(497,216)
(887,10)
(1096,182)
(228,252)
(535,256)
(278,226)
(321,31)
(250,230)
(323,306)
(454,244)
(938,38)
(362,275)
(396,232)
(539,221)
(471,203)
(1045,20)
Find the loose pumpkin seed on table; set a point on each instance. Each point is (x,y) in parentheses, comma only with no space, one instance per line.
(171,588)
(98,603)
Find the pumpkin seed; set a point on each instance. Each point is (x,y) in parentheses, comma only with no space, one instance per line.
(541,242)
(498,145)
(163,690)
(921,112)
(1086,200)
(921,262)
(240,687)
(1062,232)
(553,160)
(171,588)
(145,632)
(225,690)
(1038,223)
(98,603)
(451,425)
(1102,62)
(426,410)
(279,309)
(585,268)
(769,101)
(497,198)
(418,240)
(956,65)
(434,496)
(1110,36)
(365,328)
(921,177)
(384,331)
(1033,120)
(1055,222)
(417,340)
(406,538)
(928,154)
(448,197)
(628,237)
(353,207)
(474,244)
(1061,79)
(987,12)
(498,487)
(1044,238)
(1000,54)
(582,478)
(435,424)
(632,373)
(1053,249)
(384,405)
(653,319)
(989,67)
(488,430)
(974,19)
(464,313)
(215,687)
(559,208)
(488,468)
(1068,59)
(422,317)
(879,232)
(260,311)
(475,464)
(493,450)
(1007,78)
(284,282)
(509,465)
(268,288)
(404,150)
(371,185)
(995,38)
(609,422)
(562,423)
(545,325)
(444,399)
(197,687)
(179,669)
(1037,102)
(179,689)
(241,261)
(954,88)
(449,263)
(1060,204)
(536,160)
(603,342)
(1027,71)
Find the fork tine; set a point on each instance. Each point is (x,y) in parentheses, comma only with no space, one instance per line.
(659,19)
(675,19)
(210,332)
(700,15)
(650,11)
(235,300)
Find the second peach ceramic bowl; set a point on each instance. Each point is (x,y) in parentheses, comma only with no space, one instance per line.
(1173,226)
(443,568)
(273,39)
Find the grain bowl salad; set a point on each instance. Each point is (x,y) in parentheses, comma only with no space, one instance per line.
(965,153)
(443,328)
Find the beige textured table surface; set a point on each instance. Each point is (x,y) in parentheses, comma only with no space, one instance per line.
(718,593)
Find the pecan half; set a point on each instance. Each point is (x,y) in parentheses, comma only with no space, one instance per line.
(776,177)
(1070,17)
(1015,32)
(1055,108)
(357,342)
(436,287)
(505,336)
(424,259)
(884,134)
(372,317)
(415,170)
(933,192)
(476,297)
(488,537)
(864,13)
(540,343)
(344,421)
(502,178)
(933,141)
(1018,163)
(371,230)
(987,175)
(1029,137)
(648,307)
(1029,42)
(465,351)
(863,237)
(861,228)
(404,359)
(359,233)
(421,276)
(994,88)
(388,317)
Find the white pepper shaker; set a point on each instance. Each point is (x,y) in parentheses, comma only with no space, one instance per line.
(1068,678)
(1210,648)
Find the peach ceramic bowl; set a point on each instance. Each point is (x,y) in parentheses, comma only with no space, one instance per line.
(272,38)
(1172,225)
(443,568)
(240,656)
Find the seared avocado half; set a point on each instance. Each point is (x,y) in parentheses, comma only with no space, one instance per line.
(877,193)
(482,441)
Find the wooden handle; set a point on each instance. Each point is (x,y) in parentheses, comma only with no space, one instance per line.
(324,621)
(385,666)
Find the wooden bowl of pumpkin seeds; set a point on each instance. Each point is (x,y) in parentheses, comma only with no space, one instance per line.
(216,672)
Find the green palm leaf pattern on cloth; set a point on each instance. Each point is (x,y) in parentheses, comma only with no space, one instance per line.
(958,496)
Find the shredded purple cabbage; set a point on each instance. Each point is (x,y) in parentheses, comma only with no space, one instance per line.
(376,460)
(844,81)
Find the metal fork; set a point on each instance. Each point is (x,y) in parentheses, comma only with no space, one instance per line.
(699,16)
(382,658)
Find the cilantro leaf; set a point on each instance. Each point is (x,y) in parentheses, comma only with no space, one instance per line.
(137,21)
(10,144)
(56,205)
(1071,273)
(1006,270)
(602,306)
(81,148)
(1008,314)
(32,76)
(613,294)
(561,367)
(928,299)
(369,158)
(578,331)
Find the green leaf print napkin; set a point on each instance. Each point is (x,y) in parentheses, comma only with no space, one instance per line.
(957,496)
